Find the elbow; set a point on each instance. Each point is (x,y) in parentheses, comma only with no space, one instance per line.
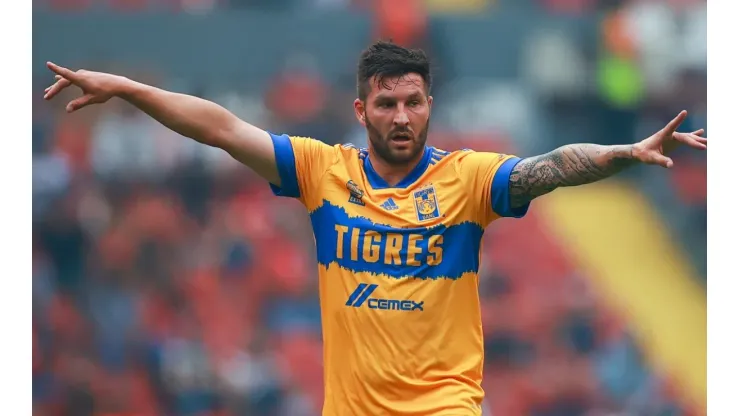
(214,138)
(222,135)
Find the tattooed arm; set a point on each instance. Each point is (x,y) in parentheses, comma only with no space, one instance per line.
(571,165)
(579,164)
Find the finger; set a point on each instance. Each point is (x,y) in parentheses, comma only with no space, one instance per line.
(673,125)
(698,136)
(664,161)
(58,86)
(699,144)
(57,78)
(690,140)
(53,90)
(64,72)
(80,102)
(696,144)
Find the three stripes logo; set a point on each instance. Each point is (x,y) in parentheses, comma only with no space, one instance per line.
(389,205)
(362,293)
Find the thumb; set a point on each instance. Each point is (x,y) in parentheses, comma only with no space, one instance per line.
(80,102)
(664,161)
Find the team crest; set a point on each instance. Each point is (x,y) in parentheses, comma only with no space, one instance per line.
(427,207)
(355,193)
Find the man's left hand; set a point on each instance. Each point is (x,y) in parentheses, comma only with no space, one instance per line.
(654,149)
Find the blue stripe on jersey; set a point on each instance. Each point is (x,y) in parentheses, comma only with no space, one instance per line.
(285,159)
(422,252)
(500,198)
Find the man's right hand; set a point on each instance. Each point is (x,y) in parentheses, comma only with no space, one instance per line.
(97,87)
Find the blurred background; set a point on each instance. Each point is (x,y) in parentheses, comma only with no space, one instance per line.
(167,280)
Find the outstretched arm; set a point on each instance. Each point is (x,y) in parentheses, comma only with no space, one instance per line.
(198,119)
(571,165)
(580,164)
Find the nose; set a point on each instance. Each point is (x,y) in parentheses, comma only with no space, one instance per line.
(401,119)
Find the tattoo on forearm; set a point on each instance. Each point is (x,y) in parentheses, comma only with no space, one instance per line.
(572,165)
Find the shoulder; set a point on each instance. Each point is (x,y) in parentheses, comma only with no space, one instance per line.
(348,153)
(314,150)
(466,159)
(439,155)
(473,159)
(350,149)
(462,154)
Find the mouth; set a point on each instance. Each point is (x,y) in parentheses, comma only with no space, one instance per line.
(401,137)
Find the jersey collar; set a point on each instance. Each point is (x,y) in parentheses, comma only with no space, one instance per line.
(379,183)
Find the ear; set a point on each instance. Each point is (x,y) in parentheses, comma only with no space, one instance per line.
(430,99)
(360,111)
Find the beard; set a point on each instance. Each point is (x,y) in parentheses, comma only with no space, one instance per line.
(395,157)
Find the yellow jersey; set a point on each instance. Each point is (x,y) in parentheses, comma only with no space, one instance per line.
(398,273)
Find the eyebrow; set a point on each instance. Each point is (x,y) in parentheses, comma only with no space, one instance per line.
(414,96)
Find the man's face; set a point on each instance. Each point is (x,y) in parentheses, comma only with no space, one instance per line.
(396,115)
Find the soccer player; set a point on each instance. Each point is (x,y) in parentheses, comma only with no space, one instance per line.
(398,224)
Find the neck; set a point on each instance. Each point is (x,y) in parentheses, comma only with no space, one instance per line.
(392,174)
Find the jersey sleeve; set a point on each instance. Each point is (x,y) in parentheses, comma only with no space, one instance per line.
(487,176)
(301,162)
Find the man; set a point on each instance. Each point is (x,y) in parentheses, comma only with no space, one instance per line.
(398,225)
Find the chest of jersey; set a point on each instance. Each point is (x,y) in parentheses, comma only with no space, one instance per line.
(416,231)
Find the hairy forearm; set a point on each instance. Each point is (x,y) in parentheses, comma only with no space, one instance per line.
(193,117)
(571,165)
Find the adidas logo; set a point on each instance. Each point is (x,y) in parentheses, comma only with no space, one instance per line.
(389,205)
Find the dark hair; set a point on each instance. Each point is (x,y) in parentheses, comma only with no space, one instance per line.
(385,59)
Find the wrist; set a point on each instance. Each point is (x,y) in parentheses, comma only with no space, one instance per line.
(125,88)
(635,151)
